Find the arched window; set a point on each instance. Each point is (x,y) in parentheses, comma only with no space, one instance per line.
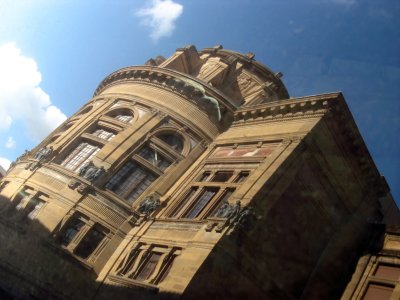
(123,115)
(172,139)
(146,164)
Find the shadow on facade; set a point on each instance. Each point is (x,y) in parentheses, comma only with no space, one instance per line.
(34,266)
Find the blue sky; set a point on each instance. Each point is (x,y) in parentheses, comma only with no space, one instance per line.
(53,54)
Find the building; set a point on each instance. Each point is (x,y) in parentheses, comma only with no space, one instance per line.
(195,176)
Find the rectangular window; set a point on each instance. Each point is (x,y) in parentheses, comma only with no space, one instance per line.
(131,181)
(90,241)
(71,230)
(33,207)
(186,199)
(222,176)
(388,272)
(378,292)
(241,177)
(103,134)
(79,156)
(148,267)
(204,176)
(202,200)
(82,237)
(148,263)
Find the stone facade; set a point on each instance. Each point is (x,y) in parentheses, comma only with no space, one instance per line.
(192,176)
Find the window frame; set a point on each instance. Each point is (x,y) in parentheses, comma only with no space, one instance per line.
(202,181)
(73,244)
(137,259)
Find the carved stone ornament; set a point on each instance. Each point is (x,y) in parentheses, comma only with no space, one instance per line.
(32,166)
(44,153)
(90,172)
(234,215)
(73,184)
(79,186)
(149,205)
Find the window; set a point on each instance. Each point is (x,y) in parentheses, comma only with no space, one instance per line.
(390,272)
(124,118)
(131,180)
(90,241)
(103,134)
(27,204)
(222,176)
(378,292)
(144,167)
(33,207)
(173,140)
(123,115)
(79,156)
(241,177)
(381,284)
(208,193)
(83,237)
(147,263)
(201,201)
(155,158)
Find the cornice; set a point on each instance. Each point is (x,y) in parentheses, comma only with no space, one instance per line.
(192,89)
(305,107)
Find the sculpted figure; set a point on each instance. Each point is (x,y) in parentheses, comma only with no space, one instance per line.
(149,204)
(43,153)
(244,214)
(229,211)
(90,172)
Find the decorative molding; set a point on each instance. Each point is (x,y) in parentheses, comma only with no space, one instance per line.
(190,88)
(306,107)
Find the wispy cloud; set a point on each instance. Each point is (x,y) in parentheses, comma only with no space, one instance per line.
(10,143)
(21,98)
(161,17)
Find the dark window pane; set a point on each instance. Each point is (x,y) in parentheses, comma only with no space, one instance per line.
(242,177)
(121,175)
(127,268)
(73,227)
(222,176)
(153,157)
(89,243)
(185,200)
(141,187)
(201,202)
(131,181)
(149,266)
(172,140)
(204,176)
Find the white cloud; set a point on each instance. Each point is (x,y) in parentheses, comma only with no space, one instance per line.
(161,17)
(10,142)
(5,163)
(21,98)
